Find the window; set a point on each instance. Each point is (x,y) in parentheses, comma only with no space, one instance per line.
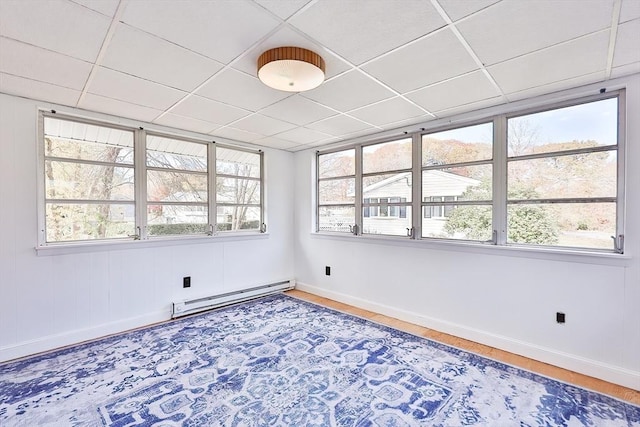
(379,207)
(336,191)
(438,210)
(105,182)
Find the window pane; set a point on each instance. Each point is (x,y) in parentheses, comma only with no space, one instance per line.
(63,138)
(467,144)
(176,154)
(176,187)
(176,219)
(341,163)
(585,225)
(393,221)
(464,222)
(579,126)
(237,162)
(67,180)
(578,175)
(387,185)
(336,218)
(387,156)
(230,218)
(337,191)
(240,191)
(68,222)
(465,183)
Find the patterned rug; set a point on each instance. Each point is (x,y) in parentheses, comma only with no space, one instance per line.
(279,361)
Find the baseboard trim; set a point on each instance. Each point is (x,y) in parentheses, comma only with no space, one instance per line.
(52,342)
(603,371)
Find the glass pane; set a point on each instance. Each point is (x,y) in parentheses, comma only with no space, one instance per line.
(336,218)
(63,138)
(464,222)
(582,225)
(164,220)
(390,220)
(388,185)
(68,222)
(230,218)
(387,156)
(467,144)
(66,180)
(578,175)
(341,163)
(176,154)
(579,126)
(463,183)
(176,187)
(337,191)
(237,162)
(241,191)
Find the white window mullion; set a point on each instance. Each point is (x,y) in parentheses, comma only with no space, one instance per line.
(140,174)
(416,194)
(358,190)
(212,193)
(500,180)
(621,153)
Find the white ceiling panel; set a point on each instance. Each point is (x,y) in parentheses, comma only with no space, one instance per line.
(278,143)
(105,7)
(236,88)
(298,110)
(458,91)
(408,124)
(303,135)
(114,84)
(34,63)
(625,70)
(118,108)
(37,90)
(573,59)
(257,123)
(474,106)
(237,134)
(58,25)
(627,48)
(512,28)
(204,27)
(457,9)
(186,123)
(388,111)
(412,67)
(210,111)
(630,9)
(339,125)
(151,58)
(362,29)
(558,85)
(361,89)
(283,9)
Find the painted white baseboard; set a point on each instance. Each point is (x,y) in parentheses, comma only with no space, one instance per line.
(593,368)
(51,342)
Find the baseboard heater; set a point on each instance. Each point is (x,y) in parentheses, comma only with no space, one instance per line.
(184,308)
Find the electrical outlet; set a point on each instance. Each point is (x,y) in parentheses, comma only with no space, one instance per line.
(186,282)
(560,317)
(327,270)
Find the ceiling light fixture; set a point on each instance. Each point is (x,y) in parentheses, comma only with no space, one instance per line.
(291,69)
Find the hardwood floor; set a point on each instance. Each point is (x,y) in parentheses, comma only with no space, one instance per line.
(561,374)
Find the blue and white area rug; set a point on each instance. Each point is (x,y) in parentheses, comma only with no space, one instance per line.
(278,361)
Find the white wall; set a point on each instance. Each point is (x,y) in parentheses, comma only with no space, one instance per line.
(49,301)
(506,299)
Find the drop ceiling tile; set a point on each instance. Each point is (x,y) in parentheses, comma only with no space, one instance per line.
(114,84)
(237,134)
(359,30)
(20,86)
(34,63)
(277,143)
(297,110)
(186,123)
(151,58)
(629,10)
(457,9)
(282,9)
(512,28)
(118,108)
(302,135)
(410,125)
(625,70)
(236,88)
(208,110)
(458,91)
(220,30)
(389,111)
(106,7)
(471,107)
(361,91)
(579,57)
(411,67)
(57,25)
(287,37)
(558,86)
(264,125)
(339,125)
(627,48)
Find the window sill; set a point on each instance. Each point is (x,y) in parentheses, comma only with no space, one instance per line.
(551,254)
(82,247)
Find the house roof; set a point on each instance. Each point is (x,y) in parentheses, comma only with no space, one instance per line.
(403,175)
